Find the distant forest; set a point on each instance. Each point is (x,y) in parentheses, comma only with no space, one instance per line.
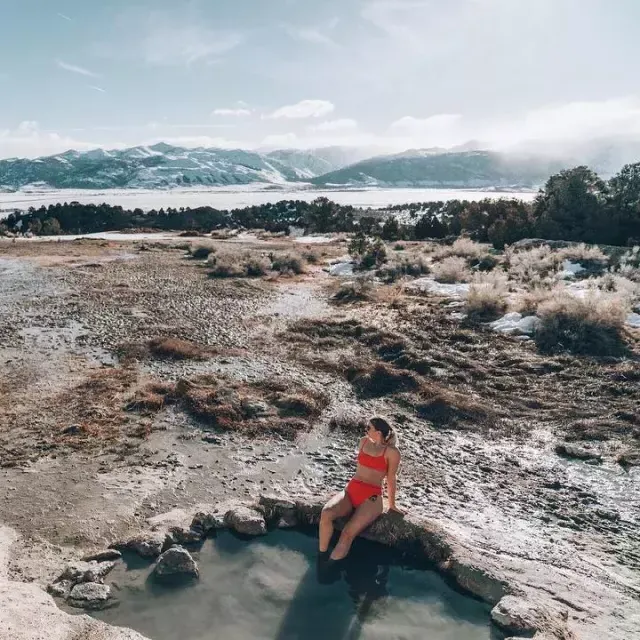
(573,205)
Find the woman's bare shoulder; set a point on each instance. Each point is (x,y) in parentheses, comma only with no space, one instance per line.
(393,452)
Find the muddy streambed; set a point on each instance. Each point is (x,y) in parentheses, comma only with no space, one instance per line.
(274,587)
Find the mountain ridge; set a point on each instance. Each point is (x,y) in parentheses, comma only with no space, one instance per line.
(166,166)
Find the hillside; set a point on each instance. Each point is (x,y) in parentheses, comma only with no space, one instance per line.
(433,168)
(158,166)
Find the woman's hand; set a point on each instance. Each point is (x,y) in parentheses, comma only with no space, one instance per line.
(393,509)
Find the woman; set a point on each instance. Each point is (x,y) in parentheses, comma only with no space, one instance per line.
(378,458)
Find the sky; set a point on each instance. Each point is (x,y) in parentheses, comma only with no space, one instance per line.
(389,74)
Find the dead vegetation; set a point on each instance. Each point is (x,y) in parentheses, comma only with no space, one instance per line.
(592,325)
(238,265)
(487,297)
(451,270)
(164,349)
(267,407)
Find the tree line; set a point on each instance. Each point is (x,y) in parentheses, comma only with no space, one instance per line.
(575,204)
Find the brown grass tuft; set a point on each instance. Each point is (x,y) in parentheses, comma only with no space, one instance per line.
(451,270)
(592,325)
(164,349)
(487,298)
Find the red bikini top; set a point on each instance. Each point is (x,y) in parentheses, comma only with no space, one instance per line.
(379,463)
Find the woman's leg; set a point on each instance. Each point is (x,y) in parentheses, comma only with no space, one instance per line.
(365,514)
(337,507)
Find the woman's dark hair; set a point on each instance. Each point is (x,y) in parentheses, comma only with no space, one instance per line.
(381,425)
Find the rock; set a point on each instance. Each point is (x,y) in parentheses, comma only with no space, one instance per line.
(207,522)
(279,511)
(103,556)
(211,438)
(517,615)
(246,520)
(176,563)
(573,452)
(60,589)
(148,545)
(90,595)
(79,572)
(184,535)
(28,613)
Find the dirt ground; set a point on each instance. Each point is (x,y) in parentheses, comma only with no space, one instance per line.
(83,461)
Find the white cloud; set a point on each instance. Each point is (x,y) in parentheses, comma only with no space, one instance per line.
(29,141)
(281,141)
(96,88)
(304,109)
(442,129)
(311,35)
(169,45)
(196,141)
(76,69)
(64,17)
(238,113)
(574,121)
(166,38)
(343,124)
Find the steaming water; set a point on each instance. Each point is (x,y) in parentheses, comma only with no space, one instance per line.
(271,588)
(230,198)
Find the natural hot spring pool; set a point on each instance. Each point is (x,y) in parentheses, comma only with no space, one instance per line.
(270,588)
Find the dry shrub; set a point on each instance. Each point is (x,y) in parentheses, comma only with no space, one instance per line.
(243,265)
(451,270)
(591,325)
(463,248)
(201,251)
(381,379)
(533,265)
(487,298)
(354,291)
(407,265)
(527,303)
(586,255)
(289,263)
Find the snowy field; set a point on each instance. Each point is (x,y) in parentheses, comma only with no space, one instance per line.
(237,197)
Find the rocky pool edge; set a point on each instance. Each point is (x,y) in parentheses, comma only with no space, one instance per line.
(517,611)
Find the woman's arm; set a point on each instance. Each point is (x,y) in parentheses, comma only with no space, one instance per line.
(392,474)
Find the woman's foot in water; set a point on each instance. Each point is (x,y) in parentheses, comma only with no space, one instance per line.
(328,571)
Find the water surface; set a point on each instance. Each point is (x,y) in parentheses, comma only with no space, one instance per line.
(272,588)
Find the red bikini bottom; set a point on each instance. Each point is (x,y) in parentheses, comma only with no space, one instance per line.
(359,492)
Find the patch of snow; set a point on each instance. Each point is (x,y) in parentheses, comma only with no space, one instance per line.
(342,268)
(516,324)
(313,239)
(633,320)
(429,285)
(570,270)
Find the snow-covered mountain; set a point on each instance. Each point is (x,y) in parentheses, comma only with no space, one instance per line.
(440,168)
(164,166)
(161,165)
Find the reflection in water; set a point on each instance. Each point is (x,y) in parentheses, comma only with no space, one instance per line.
(275,588)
